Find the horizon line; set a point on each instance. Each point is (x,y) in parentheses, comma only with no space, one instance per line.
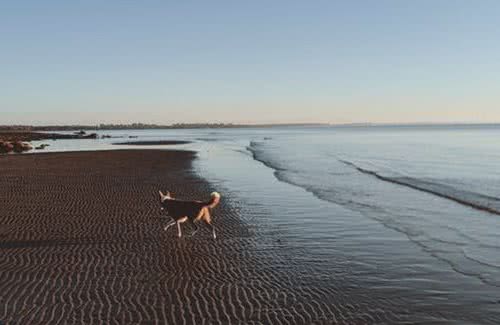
(233,124)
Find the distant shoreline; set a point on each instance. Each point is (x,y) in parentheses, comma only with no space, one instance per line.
(22,135)
(143,126)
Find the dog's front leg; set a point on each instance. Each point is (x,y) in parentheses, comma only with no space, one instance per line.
(170,224)
(179,232)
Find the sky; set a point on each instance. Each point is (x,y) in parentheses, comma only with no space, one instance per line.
(89,62)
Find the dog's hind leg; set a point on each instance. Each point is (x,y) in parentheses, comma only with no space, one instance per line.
(205,216)
(193,222)
(213,230)
(179,232)
(208,219)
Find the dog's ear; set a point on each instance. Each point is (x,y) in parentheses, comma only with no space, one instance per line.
(162,195)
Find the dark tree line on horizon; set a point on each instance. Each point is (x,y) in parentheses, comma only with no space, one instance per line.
(110,126)
(136,126)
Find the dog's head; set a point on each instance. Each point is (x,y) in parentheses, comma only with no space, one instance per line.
(164,197)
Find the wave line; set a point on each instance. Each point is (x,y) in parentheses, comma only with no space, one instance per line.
(401,181)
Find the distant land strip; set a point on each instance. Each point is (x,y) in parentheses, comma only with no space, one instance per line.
(145,126)
(135,126)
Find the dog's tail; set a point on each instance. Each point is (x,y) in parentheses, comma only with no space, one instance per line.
(214,200)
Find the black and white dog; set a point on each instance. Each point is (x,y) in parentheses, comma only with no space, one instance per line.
(193,211)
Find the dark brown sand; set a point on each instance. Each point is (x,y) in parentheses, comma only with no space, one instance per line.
(82,242)
(153,143)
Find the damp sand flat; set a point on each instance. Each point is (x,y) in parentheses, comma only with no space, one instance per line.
(82,242)
(152,143)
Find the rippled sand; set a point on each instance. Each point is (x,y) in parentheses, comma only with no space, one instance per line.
(82,242)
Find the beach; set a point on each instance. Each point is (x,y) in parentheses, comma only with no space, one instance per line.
(82,242)
(302,163)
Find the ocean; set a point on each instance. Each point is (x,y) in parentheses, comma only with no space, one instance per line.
(404,216)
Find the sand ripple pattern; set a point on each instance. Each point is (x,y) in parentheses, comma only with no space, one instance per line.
(81,242)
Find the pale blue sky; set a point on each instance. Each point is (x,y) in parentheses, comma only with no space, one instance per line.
(249,61)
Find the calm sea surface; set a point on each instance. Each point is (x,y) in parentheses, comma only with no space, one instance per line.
(410,216)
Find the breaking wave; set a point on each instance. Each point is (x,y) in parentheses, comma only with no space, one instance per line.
(471,199)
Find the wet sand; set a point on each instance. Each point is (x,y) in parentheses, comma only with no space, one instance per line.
(153,143)
(82,242)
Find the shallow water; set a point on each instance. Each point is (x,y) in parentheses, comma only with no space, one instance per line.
(396,214)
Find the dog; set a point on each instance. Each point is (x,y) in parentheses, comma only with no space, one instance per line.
(193,211)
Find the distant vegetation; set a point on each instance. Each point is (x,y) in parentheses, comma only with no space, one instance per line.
(140,126)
